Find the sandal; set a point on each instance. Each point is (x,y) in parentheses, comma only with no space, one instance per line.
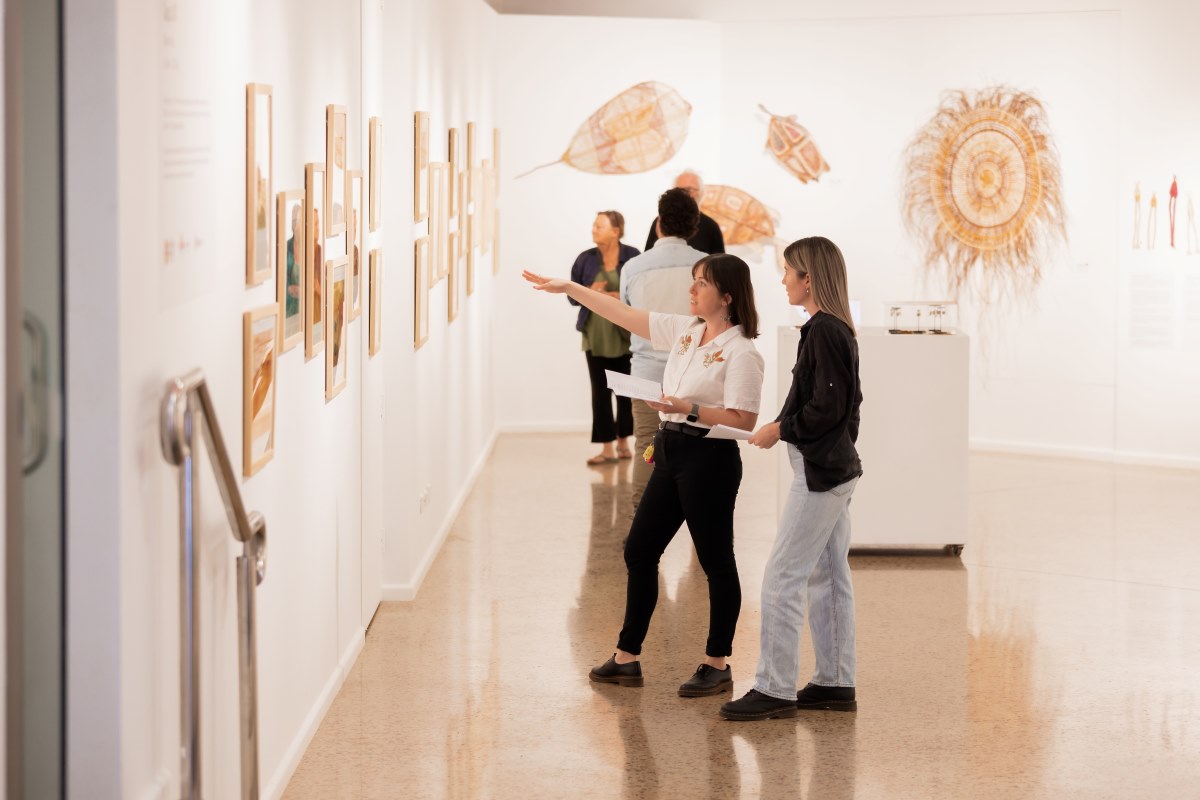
(599,460)
(624,453)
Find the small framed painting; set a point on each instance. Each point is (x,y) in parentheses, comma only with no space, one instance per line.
(472,144)
(314,259)
(354,242)
(420,292)
(290,242)
(260,329)
(335,170)
(376,177)
(470,253)
(453,197)
(375,302)
(438,223)
(420,166)
(336,274)
(453,278)
(258,184)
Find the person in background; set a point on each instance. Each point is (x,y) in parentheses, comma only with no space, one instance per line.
(714,376)
(809,563)
(605,346)
(707,237)
(658,280)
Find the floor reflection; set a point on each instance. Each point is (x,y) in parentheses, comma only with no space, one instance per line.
(1042,664)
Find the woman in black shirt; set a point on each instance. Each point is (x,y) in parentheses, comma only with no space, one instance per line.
(810,558)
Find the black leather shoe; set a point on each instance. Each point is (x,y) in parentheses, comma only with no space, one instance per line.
(621,674)
(826,698)
(755,705)
(707,680)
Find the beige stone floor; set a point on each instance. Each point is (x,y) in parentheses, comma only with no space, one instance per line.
(1058,658)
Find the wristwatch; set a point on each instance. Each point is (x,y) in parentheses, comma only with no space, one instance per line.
(695,415)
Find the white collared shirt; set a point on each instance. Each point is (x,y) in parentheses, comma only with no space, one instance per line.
(725,373)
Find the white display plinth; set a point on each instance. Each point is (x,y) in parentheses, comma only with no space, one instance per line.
(912,439)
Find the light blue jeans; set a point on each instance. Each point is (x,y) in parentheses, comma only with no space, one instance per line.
(810,560)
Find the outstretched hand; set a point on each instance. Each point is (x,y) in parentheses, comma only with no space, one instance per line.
(552,285)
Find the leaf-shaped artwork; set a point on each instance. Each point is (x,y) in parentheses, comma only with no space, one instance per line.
(794,148)
(743,219)
(638,130)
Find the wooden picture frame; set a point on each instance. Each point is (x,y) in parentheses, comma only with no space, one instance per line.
(475,192)
(470,254)
(420,165)
(338,338)
(336,187)
(375,166)
(260,340)
(290,241)
(438,221)
(453,197)
(314,259)
(472,144)
(375,302)
(421,269)
(354,242)
(453,278)
(259,179)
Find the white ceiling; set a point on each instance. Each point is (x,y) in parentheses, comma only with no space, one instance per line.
(740,10)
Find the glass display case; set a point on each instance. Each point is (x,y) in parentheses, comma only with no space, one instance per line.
(937,317)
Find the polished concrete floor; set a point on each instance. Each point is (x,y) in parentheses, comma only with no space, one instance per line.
(1058,658)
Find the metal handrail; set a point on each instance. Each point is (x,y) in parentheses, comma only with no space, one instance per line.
(184,396)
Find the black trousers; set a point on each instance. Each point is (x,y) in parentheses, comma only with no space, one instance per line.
(695,480)
(603,428)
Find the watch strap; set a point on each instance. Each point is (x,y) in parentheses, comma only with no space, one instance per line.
(694,416)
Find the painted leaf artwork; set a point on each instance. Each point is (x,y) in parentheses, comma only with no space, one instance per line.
(794,148)
(638,130)
(983,191)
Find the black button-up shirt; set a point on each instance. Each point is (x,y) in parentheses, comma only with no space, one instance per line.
(821,413)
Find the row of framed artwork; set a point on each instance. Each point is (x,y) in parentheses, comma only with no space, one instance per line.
(312,241)
(459,202)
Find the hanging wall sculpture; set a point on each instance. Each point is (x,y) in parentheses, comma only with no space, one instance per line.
(636,131)
(983,189)
(743,219)
(794,148)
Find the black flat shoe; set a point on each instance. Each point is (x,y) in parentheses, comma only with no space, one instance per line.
(755,705)
(826,698)
(707,681)
(621,674)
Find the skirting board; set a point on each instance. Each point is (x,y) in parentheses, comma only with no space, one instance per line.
(1086,454)
(408,591)
(308,729)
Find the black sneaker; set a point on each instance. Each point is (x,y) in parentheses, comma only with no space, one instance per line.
(621,674)
(755,705)
(707,680)
(826,698)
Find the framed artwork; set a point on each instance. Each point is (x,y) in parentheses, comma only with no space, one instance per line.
(452,157)
(420,292)
(438,222)
(258,183)
(488,196)
(470,253)
(336,190)
(475,193)
(259,350)
(290,240)
(472,144)
(314,259)
(420,164)
(453,278)
(376,169)
(375,302)
(354,242)
(336,274)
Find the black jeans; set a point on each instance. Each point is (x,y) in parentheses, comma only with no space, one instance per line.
(695,480)
(603,429)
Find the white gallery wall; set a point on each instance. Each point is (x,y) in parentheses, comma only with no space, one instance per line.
(1052,372)
(362,488)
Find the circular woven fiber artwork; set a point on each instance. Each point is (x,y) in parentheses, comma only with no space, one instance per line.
(983,187)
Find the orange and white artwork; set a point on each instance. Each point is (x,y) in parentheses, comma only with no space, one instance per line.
(260,352)
(641,128)
(794,148)
(336,270)
(259,206)
(743,218)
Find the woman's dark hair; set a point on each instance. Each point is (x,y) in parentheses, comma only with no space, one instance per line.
(678,214)
(731,276)
(616,219)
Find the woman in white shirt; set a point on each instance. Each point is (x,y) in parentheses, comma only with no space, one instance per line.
(713,377)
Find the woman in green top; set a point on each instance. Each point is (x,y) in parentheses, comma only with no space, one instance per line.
(605,345)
